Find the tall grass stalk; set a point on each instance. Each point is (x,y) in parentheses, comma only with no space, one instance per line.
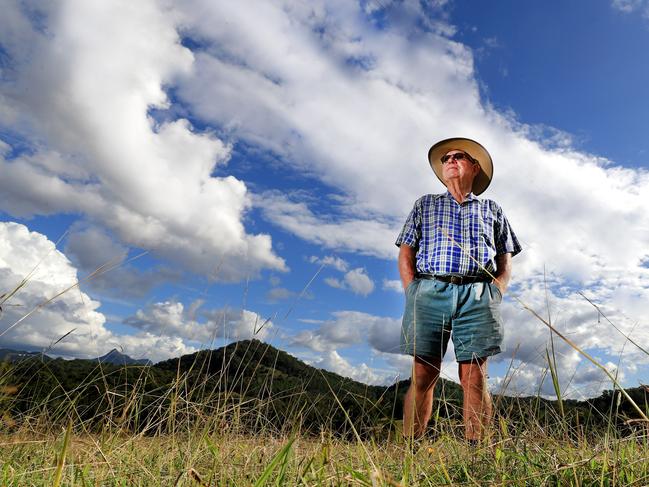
(60,461)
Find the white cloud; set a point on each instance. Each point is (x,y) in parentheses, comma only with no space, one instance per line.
(369,237)
(525,379)
(359,282)
(262,87)
(393,285)
(348,328)
(279,293)
(171,319)
(91,248)
(333,282)
(330,261)
(630,6)
(333,362)
(22,251)
(84,81)
(356,280)
(269,80)
(527,339)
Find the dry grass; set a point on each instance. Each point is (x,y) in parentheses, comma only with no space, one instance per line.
(199,457)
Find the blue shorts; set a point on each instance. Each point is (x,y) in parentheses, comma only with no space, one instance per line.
(437,310)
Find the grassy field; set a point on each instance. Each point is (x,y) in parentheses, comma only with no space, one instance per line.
(123,426)
(200,458)
(194,448)
(131,426)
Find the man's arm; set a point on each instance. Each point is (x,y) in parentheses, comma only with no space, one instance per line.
(503,271)
(407,267)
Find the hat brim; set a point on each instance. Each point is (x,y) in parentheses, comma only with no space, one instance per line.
(471,147)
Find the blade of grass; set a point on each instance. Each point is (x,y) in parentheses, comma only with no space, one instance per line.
(279,458)
(555,380)
(60,461)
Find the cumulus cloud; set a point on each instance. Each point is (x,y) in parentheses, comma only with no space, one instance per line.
(279,293)
(172,319)
(392,285)
(528,340)
(84,78)
(348,328)
(22,252)
(275,106)
(525,379)
(330,261)
(359,282)
(333,362)
(369,237)
(91,248)
(356,280)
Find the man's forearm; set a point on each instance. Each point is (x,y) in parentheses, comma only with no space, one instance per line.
(407,267)
(503,271)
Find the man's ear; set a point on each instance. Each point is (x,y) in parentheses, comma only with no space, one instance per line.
(476,169)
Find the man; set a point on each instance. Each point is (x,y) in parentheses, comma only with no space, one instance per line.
(455,253)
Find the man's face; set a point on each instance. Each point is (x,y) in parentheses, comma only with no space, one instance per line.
(459,167)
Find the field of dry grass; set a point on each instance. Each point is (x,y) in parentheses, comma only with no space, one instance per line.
(214,453)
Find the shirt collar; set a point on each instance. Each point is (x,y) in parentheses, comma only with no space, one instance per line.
(470,196)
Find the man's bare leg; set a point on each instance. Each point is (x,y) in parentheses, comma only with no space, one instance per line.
(477,409)
(418,403)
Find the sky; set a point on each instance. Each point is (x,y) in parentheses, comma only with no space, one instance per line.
(209,171)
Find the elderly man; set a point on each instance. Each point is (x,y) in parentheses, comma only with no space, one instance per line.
(455,254)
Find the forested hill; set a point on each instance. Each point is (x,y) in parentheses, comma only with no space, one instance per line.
(266,387)
(254,386)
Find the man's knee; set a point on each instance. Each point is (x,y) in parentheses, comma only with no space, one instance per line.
(473,373)
(425,373)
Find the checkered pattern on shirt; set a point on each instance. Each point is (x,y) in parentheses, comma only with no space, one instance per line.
(437,223)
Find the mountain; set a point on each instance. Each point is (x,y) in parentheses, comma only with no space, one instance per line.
(118,358)
(8,355)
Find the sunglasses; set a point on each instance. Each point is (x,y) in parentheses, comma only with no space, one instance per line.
(457,157)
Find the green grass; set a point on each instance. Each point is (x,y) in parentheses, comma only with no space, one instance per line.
(214,459)
(60,446)
(93,431)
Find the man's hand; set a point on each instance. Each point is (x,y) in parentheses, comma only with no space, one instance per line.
(407,268)
(503,272)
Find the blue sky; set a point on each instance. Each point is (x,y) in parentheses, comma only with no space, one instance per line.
(574,66)
(257,160)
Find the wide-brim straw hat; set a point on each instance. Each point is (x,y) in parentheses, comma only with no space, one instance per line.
(471,147)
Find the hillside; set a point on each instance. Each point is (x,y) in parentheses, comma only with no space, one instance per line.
(250,377)
(254,385)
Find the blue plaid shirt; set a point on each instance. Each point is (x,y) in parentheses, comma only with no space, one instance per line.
(438,223)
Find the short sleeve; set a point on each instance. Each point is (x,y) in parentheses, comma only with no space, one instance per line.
(506,241)
(411,231)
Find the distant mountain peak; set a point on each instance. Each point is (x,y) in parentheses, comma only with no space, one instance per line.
(118,358)
(8,355)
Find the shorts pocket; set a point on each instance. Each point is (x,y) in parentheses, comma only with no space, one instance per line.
(411,286)
(495,291)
